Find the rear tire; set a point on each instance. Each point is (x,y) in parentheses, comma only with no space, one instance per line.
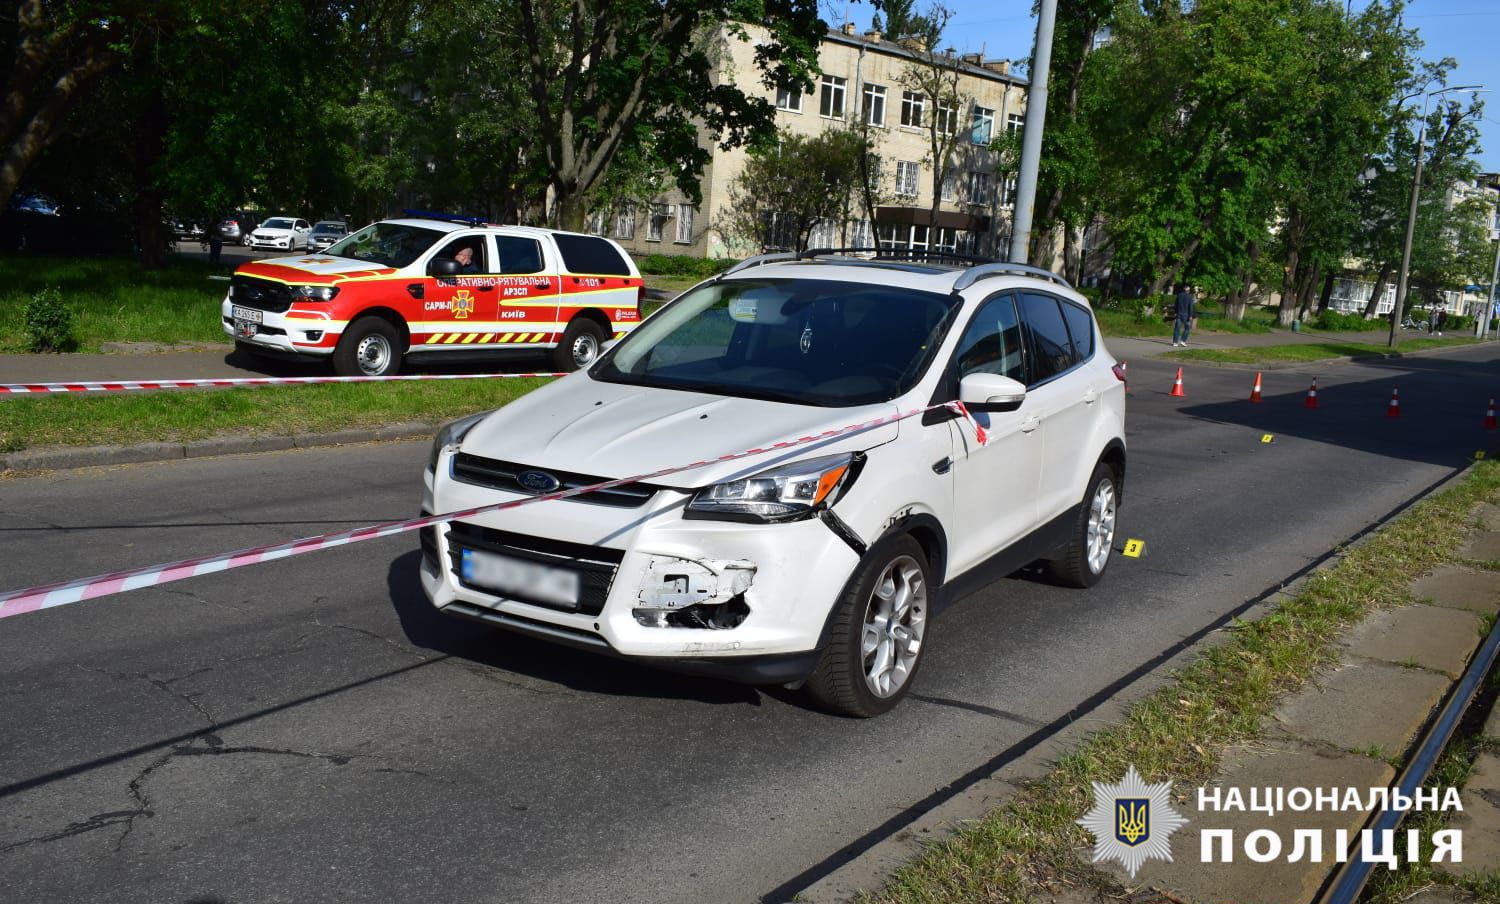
(580,346)
(1093,535)
(877,632)
(370,347)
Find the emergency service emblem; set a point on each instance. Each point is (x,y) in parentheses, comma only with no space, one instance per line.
(463,304)
(1132,821)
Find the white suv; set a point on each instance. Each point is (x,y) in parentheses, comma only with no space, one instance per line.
(822,563)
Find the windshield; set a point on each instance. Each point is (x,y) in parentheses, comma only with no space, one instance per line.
(391,244)
(806,341)
(277,223)
(330,228)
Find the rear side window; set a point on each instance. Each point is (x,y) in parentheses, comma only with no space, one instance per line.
(590,255)
(1081,329)
(518,255)
(1051,350)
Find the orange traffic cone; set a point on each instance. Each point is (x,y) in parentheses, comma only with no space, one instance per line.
(1394,408)
(1312,395)
(1255,390)
(1489,416)
(1177,387)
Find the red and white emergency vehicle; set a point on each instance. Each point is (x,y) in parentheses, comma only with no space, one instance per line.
(425,286)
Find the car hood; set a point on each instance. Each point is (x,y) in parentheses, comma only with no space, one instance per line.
(611,430)
(313,269)
(273,232)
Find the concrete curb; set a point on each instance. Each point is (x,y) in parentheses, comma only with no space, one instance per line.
(870,868)
(55,458)
(1299,365)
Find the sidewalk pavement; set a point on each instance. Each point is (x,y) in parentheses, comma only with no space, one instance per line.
(1151,346)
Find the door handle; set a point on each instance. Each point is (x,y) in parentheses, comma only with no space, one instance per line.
(483,288)
(942,465)
(1031,423)
(414,290)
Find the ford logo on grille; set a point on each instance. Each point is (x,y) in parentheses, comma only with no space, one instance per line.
(538,481)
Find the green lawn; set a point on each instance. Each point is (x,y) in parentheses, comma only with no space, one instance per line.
(115,300)
(1114,322)
(1311,351)
(177,416)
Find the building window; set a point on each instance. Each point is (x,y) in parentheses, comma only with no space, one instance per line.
(945,239)
(979,188)
(658,222)
(791,101)
(861,235)
(831,102)
(1008,191)
(874,105)
(596,222)
(907,174)
(684,224)
(625,222)
(1015,122)
(913,108)
(950,186)
(947,118)
(982,126)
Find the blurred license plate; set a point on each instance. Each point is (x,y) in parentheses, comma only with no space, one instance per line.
(249,315)
(516,577)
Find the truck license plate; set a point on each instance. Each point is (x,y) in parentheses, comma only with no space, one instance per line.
(249,315)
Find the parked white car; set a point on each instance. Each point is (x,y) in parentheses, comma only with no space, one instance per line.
(281,233)
(823,563)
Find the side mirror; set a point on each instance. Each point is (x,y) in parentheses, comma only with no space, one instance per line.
(991,392)
(443,267)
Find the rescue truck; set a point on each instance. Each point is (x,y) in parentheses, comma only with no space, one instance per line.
(427,286)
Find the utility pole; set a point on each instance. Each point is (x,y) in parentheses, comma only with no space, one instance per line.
(1031,142)
(1489,306)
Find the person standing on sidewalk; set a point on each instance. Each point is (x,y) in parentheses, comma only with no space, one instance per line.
(1184,322)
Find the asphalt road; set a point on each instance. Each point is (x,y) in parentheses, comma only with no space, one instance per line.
(311,731)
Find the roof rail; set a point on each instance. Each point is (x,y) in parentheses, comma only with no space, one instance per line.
(759,259)
(445,217)
(896,254)
(975,274)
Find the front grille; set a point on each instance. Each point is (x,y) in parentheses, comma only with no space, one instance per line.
(261,294)
(596,565)
(504,475)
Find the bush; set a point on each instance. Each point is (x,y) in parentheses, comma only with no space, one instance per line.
(683,265)
(1458,322)
(49,322)
(1333,320)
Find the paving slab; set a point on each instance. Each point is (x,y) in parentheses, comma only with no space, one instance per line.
(1279,765)
(1365,704)
(1441,894)
(1480,820)
(1461,588)
(1429,636)
(1483,546)
(1489,515)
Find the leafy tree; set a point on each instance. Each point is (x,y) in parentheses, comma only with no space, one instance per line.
(641,72)
(795,184)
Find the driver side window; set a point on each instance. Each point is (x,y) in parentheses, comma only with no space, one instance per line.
(991,343)
(470,263)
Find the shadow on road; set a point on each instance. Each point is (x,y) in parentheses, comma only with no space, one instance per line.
(276,366)
(592,673)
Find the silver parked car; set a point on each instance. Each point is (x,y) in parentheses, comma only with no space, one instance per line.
(325,233)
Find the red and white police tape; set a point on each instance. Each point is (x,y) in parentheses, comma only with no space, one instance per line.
(124,385)
(46,596)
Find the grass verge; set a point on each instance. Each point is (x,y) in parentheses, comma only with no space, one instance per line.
(1115,322)
(1310,351)
(1180,732)
(26,422)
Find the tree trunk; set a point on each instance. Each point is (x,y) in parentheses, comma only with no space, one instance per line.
(1305,291)
(39,130)
(1373,304)
(150,135)
(568,210)
(1327,294)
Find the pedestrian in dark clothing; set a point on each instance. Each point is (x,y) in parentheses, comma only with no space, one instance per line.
(1442,321)
(215,244)
(1184,322)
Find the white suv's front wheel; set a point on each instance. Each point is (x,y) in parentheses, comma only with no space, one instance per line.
(878,631)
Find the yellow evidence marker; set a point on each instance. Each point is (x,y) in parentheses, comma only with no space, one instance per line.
(1267,438)
(1134,548)
(1479,456)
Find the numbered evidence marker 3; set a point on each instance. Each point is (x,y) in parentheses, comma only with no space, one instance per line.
(1134,549)
(1268,438)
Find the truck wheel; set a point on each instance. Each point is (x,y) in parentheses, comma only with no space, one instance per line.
(370,347)
(878,629)
(1093,534)
(579,347)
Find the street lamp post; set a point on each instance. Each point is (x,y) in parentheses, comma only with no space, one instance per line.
(1411,213)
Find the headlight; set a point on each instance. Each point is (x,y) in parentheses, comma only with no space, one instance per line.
(451,434)
(314,293)
(787,493)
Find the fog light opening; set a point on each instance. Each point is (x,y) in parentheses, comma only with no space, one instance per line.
(707,616)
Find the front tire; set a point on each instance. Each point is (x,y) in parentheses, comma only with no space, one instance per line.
(580,346)
(370,347)
(1087,554)
(878,630)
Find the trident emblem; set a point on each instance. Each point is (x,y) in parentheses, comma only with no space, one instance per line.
(1132,819)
